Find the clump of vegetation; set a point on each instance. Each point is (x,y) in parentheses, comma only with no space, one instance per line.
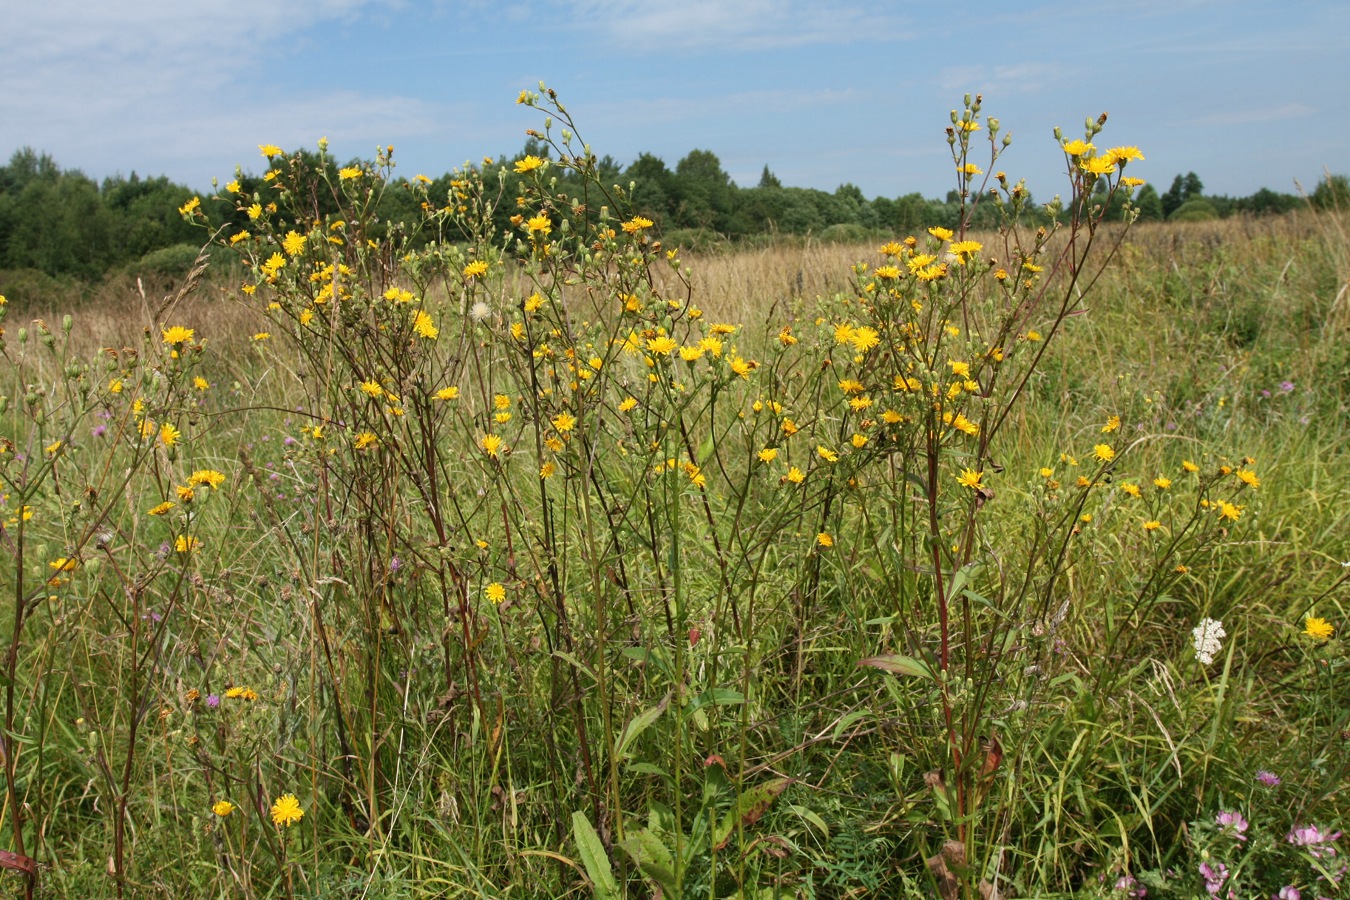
(495,552)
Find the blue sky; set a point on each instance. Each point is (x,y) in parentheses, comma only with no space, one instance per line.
(1247,94)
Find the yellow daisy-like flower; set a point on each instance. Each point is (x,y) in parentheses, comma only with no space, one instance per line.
(207,478)
(1098,165)
(942,234)
(795,475)
(1111,425)
(200,383)
(177,335)
(491,444)
(349,172)
(169,435)
(628,404)
(1124,155)
(190,207)
(286,811)
(887,273)
(1131,489)
(528,164)
(423,325)
(162,508)
(234,693)
(970,478)
(539,225)
(448,393)
(768,454)
(365,440)
(496,592)
(1104,452)
(1318,629)
(1229,511)
(1189,466)
(662,346)
(1152,525)
(1078,148)
(966,249)
(222,808)
(186,543)
(825,539)
(255,211)
(864,338)
(269,150)
(1248,477)
(564,422)
(475,269)
(827,454)
(636,224)
(1162,483)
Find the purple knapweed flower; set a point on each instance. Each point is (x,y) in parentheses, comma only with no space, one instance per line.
(213,700)
(1288,892)
(1269,779)
(1286,386)
(1232,824)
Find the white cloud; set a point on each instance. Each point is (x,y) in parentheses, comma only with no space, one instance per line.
(1258,116)
(748,25)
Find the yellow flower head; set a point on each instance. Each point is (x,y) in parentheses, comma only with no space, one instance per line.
(286,811)
(475,269)
(1318,629)
(528,164)
(349,172)
(222,808)
(177,335)
(637,223)
(1104,452)
(970,478)
(496,592)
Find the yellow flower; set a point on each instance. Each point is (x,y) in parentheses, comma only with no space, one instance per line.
(1078,148)
(423,325)
(190,207)
(970,169)
(496,592)
(942,234)
(1318,629)
(1189,466)
(491,444)
(293,243)
(262,335)
(475,269)
(286,811)
(222,808)
(1162,483)
(447,393)
(528,164)
(1047,472)
(177,335)
(269,150)
(564,422)
(162,508)
(827,454)
(1152,525)
(1123,155)
(207,478)
(689,354)
(186,543)
(825,539)
(539,225)
(200,383)
(255,211)
(1104,452)
(184,493)
(662,346)
(349,172)
(234,693)
(1131,489)
(795,475)
(365,440)
(636,224)
(169,435)
(64,564)
(1098,165)
(1229,511)
(970,478)
(966,249)
(627,404)
(1111,424)
(864,339)
(1248,477)
(888,273)
(768,454)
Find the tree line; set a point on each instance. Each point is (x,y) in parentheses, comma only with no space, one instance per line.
(59,223)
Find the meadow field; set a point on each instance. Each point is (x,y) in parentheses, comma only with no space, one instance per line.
(962,564)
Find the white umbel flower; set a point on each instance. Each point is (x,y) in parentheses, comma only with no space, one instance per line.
(1206,637)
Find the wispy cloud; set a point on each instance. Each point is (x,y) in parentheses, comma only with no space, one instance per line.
(749,25)
(1258,116)
(1019,78)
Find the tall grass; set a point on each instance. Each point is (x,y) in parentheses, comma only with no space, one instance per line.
(557,562)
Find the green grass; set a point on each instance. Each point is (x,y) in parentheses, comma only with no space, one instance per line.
(670,696)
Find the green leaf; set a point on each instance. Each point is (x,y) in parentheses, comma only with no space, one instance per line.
(750,805)
(594,858)
(898,664)
(636,725)
(705,450)
(653,858)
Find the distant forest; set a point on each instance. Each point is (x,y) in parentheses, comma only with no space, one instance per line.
(58,225)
